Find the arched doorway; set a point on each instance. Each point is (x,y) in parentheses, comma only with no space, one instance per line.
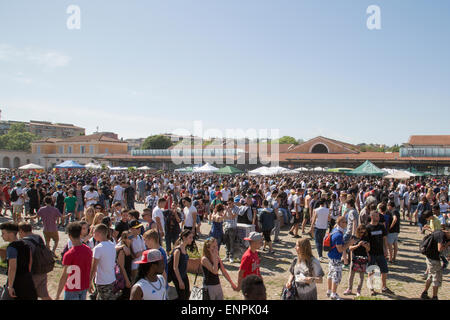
(16,162)
(319,148)
(6,163)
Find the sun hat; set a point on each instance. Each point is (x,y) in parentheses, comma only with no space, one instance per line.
(134,224)
(151,255)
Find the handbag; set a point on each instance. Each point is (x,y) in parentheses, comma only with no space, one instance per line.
(172,293)
(289,294)
(199,293)
(359,264)
(119,284)
(4,293)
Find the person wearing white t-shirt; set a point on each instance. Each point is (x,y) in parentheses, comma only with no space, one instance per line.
(158,216)
(118,194)
(319,222)
(226,193)
(190,214)
(91,197)
(103,265)
(150,284)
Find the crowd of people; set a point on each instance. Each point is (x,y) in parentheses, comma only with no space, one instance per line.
(117,252)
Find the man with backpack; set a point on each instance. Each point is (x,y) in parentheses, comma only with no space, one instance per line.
(17,201)
(432,246)
(58,200)
(42,259)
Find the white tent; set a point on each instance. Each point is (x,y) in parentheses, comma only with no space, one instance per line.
(301,169)
(144,168)
(207,168)
(117,168)
(31,166)
(4,169)
(94,166)
(318,169)
(261,171)
(279,170)
(398,174)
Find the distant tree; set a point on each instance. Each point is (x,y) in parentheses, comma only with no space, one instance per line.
(286,140)
(18,138)
(157,142)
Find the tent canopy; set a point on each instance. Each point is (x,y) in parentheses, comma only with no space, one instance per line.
(228,170)
(91,165)
(184,170)
(367,169)
(31,166)
(69,164)
(145,168)
(399,175)
(207,168)
(340,170)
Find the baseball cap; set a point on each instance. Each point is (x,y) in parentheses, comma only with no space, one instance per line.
(218,192)
(151,255)
(237,199)
(134,224)
(254,236)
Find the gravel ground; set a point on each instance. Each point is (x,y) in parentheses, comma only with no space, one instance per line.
(405,277)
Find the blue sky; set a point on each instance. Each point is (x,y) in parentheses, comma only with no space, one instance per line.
(306,67)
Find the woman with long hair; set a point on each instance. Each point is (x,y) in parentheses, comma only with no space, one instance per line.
(150,284)
(360,259)
(124,261)
(180,261)
(211,263)
(89,214)
(305,272)
(217,223)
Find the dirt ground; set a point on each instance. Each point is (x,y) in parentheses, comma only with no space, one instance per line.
(405,277)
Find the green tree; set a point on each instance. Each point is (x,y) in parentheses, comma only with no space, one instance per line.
(157,142)
(286,140)
(18,138)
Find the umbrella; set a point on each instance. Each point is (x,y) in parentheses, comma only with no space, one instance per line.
(207,168)
(229,170)
(31,166)
(69,164)
(93,166)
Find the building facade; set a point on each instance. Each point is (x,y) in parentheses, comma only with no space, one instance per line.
(45,129)
(14,159)
(83,149)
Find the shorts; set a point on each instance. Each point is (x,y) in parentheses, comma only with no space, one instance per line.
(335,270)
(51,236)
(306,213)
(40,283)
(75,295)
(434,272)
(106,292)
(17,208)
(80,207)
(266,235)
(380,261)
(392,238)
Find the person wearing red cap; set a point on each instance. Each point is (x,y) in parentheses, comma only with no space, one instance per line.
(150,284)
(250,260)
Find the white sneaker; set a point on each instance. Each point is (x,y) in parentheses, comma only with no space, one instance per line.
(335,297)
(328,294)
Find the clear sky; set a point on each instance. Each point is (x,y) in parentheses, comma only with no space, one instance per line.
(306,67)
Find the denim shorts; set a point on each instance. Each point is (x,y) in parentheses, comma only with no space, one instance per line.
(75,295)
(392,238)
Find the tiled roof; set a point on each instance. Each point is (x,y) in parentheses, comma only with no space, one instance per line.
(443,140)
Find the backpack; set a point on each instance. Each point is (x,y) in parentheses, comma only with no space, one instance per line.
(426,245)
(14,196)
(327,242)
(413,197)
(171,274)
(43,261)
(60,200)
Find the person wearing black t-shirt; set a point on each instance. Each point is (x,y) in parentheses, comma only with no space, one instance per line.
(378,241)
(122,225)
(440,242)
(19,259)
(393,231)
